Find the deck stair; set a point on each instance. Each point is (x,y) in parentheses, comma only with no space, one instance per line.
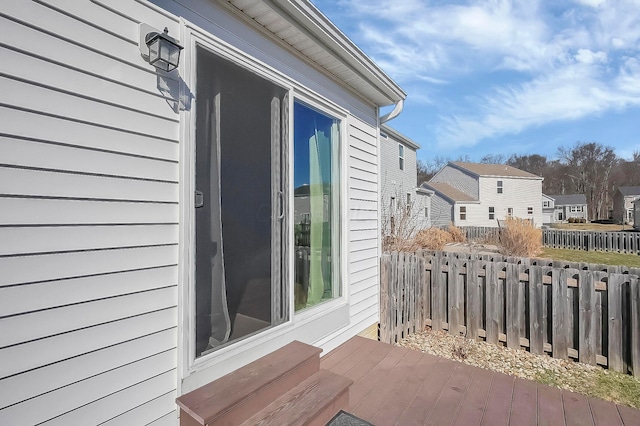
(284,387)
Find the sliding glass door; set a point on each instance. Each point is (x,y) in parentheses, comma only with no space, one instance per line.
(241,127)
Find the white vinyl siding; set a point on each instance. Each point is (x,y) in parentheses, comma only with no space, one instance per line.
(89,215)
(89,205)
(363,223)
(400,184)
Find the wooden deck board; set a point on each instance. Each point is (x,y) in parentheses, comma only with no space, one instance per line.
(405,393)
(550,408)
(475,401)
(498,406)
(398,386)
(369,406)
(448,404)
(604,413)
(427,395)
(524,402)
(576,409)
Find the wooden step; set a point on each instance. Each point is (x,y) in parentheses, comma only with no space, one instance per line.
(313,402)
(233,398)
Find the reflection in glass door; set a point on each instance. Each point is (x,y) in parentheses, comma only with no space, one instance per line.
(316,206)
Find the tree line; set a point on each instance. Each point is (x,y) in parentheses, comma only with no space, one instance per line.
(588,168)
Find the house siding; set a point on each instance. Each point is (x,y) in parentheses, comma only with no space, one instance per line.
(89,212)
(459,180)
(441,211)
(89,215)
(398,183)
(518,194)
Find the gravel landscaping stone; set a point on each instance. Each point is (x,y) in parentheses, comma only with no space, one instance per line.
(566,374)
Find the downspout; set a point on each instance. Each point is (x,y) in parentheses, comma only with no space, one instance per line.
(393,113)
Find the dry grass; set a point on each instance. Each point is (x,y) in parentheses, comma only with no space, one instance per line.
(457,234)
(520,238)
(590,227)
(433,238)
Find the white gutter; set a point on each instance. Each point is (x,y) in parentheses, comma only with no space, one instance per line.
(394,112)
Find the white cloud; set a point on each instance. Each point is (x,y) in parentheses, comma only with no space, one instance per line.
(558,61)
(586,56)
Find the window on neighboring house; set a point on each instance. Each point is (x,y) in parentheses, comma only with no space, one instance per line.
(492,213)
(510,211)
(499,187)
(545,204)
(529,210)
(401,156)
(463,213)
(426,212)
(409,203)
(560,216)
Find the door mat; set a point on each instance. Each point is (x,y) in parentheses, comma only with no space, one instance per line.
(346,419)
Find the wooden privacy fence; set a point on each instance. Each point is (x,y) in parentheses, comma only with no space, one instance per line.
(588,315)
(620,242)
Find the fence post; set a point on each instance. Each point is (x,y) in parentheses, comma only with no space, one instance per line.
(614,308)
(635,325)
(385,317)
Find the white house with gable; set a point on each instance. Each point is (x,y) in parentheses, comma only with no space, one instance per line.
(148,234)
(473,194)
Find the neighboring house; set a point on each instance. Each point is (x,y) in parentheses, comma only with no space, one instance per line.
(472,194)
(636,214)
(559,208)
(548,209)
(623,200)
(405,208)
(147,217)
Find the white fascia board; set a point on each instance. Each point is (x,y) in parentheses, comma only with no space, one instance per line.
(336,42)
(399,137)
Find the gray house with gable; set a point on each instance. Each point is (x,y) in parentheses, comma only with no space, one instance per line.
(405,208)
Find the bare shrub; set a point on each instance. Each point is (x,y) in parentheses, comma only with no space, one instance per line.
(433,238)
(520,238)
(457,234)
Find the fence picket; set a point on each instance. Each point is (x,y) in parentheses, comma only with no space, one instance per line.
(492,303)
(559,303)
(437,292)
(385,305)
(587,319)
(536,308)
(473,300)
(512,288)
(453,299)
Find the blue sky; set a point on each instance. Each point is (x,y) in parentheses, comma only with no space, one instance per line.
(511,77)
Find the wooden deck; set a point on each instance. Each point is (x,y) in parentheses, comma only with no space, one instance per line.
(398,386)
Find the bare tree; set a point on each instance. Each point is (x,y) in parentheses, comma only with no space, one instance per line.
(493,159)
(589,169)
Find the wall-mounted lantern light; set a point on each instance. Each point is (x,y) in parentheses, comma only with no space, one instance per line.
(164,51)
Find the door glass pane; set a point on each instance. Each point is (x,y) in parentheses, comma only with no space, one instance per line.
(237,135)
(316,205)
